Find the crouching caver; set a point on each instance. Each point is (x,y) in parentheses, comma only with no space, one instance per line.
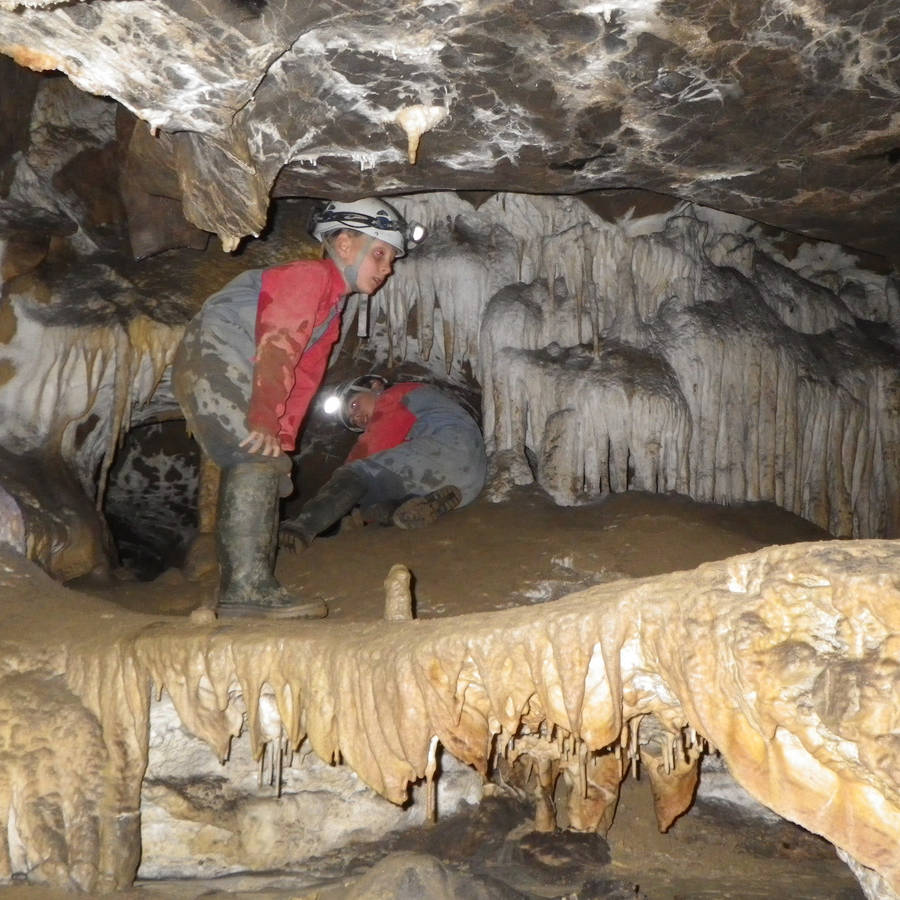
(419,456)
(245,372)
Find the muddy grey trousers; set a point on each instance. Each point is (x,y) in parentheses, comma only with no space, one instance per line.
(213,388)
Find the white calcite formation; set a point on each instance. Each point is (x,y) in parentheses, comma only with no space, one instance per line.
(673,353)
(73,387)
(785,660)
(74,381)
(201,818)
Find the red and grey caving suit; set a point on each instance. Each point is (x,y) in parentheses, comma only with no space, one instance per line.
(417,440)
(255,355)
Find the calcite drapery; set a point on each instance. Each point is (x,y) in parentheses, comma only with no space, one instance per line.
(754,653)
(678,352)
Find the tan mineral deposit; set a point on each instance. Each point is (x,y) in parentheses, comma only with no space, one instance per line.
(784,661)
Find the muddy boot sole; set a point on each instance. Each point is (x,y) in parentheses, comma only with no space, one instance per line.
(421,511)
(377,513)
(293,541)
(314,609)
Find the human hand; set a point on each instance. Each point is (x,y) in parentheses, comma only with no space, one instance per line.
(261,442)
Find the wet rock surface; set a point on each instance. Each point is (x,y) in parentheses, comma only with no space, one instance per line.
(678,97)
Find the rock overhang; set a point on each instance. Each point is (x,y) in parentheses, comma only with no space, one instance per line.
(784,114)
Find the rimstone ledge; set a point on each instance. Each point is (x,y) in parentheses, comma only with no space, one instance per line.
(754,656)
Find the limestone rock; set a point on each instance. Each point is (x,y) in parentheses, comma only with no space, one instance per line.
(202,818)
(257,101)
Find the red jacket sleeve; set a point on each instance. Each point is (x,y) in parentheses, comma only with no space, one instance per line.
(292,299)
(389,425)
(307,379)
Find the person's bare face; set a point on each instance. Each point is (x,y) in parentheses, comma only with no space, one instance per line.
(367,260)
(376,267)
(361,407)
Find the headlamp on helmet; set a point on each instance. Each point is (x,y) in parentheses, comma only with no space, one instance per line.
(338,403)
(371,216)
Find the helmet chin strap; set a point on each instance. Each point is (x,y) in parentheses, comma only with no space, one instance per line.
(350,270)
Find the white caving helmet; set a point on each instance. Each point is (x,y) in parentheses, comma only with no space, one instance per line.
(371,216)
(338,403)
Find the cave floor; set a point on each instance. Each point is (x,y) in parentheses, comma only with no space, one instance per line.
(492,556)
(524,551)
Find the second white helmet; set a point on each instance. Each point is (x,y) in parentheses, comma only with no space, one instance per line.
(338,403)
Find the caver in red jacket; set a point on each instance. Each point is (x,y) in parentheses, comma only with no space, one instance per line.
(418,439)
(255,354)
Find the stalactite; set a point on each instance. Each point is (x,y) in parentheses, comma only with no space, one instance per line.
(415,121)
(120,409)
(430,771)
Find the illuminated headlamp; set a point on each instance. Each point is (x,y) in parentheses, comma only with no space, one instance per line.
(415,233)
(336,403)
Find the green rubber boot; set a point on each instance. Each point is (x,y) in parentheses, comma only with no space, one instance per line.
(246,544)
(332,502)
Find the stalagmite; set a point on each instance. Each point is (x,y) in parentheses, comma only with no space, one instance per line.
(397,595)
(201,555)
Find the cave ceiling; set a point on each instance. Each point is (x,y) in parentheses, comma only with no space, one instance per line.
(782,112)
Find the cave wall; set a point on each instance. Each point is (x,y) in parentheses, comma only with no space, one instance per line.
(682,351)
(619,339)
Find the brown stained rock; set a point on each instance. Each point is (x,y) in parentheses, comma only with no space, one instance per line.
(675,97)
(150,191)
(28,234)
(16,101)
(593,797)
(73,739)
(8,324)
(673,788)
(21,256)
(84,181)
(45,732)
(65,534)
